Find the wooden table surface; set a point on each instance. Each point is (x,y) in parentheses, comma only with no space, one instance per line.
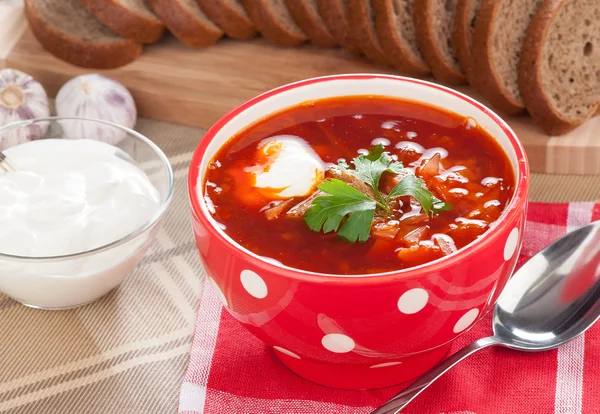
(172,82)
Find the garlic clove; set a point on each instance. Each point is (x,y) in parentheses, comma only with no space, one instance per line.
(21,98)
(97,97)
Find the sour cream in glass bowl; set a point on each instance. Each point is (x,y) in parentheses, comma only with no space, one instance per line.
(79,214)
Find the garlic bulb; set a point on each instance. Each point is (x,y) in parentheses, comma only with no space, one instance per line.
(21,98)
(97,97)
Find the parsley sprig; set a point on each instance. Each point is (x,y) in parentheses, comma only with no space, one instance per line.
(350,212)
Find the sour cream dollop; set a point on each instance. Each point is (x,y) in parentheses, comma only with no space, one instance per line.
(71,196)
(288,167)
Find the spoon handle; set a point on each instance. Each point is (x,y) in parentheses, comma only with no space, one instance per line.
(400,401)
(7,165)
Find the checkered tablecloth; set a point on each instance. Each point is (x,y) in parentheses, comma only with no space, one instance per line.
(128,353)
(230,371)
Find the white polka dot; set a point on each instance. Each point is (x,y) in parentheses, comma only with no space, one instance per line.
(218,291)
(285,351)
(413,301)
(466,320)
(338,343)
(253,284)
(511,244)
(386,364)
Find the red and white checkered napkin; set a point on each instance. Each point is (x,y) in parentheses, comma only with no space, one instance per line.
(230,371)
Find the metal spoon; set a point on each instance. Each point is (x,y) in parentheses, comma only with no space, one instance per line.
(5,164)
(551,300)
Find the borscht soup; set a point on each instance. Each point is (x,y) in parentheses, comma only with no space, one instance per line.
(358,185)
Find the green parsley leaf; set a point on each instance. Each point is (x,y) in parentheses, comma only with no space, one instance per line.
(439,205)
(327,212)
(343,164)
(371,167)
(395,167)
(375,152)
(358,226)
(354,211)
(411,185)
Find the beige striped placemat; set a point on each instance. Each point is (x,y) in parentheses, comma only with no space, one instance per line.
(127,352)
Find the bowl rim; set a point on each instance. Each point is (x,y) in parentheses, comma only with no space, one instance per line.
(140,230)
(517,203)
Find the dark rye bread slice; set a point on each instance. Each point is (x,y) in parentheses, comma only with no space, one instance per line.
(307,16)
(559,71)
(434,23)
(67,30)
(132,19)
(397,36)
(274,21)
(187,22)
(462,38)
(361,19)
(231,16)
(335,16)
(498,36)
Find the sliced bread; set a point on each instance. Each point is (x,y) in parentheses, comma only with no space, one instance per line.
(274,21)
(335,16)
(307,16)
(462,38)
(187,22)
(559,70)
(231,16)
(397,36)
(434,22)
(498,36)
(132,19)
(70,32)
(361,19)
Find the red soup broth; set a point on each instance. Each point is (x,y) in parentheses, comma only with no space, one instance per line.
(471,172)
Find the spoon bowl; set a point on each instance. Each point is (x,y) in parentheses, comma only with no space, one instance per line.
(551,300)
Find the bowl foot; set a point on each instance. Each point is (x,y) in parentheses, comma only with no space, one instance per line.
(74,305)
(360,377)
(59,308)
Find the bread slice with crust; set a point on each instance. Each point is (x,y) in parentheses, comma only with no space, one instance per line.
(361,20)
(132,19)
(231,16)
(462,38)
(274,21)
(187,22)
(70,32)
(306,14)
(335,16)
(397,36)
(434,23)
(498,37)
(559,70)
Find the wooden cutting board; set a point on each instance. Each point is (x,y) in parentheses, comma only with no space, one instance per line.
(174,83)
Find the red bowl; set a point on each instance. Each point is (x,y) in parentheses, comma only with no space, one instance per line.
(360,331)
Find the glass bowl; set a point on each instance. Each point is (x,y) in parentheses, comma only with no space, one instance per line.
(68,281)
